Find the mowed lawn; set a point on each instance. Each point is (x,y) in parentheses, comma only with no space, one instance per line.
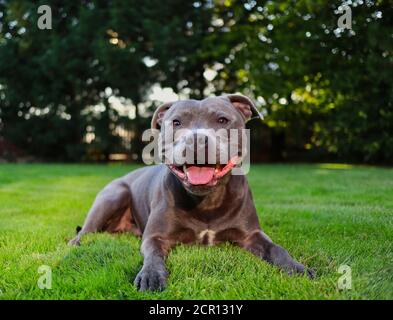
(325,215)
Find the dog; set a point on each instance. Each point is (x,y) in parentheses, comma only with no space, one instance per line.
(188,203)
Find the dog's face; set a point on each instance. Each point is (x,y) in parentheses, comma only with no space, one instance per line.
(202,140)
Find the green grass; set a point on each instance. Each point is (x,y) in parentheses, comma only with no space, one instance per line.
(325,215)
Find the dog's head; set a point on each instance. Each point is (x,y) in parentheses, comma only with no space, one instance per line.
(202,140)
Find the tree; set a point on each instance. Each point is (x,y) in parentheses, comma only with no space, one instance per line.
(324,89)
(326,92)
(52,79)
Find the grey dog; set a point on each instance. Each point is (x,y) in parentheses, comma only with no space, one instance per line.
(175,203)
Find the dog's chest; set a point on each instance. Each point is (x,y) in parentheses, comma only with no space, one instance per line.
(207,235)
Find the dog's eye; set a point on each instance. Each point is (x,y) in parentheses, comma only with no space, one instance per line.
(176,123)
(222,120)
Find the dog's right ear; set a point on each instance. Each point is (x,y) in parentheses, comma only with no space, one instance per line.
(158,115)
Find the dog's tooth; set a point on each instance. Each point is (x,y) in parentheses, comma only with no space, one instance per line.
(184,168)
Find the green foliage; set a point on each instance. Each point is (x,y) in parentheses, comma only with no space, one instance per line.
(325,92)
(326,89)
(51,79)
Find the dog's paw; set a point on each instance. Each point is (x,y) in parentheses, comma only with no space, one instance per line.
(75,242)
(151,279)
(310,273)
(298,268)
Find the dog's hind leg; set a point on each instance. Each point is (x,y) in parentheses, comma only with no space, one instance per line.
(111,206)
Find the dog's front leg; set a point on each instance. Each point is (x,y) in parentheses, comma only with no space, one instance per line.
(262,246)
(153,274)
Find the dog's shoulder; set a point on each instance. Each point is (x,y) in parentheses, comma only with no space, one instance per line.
(145,175)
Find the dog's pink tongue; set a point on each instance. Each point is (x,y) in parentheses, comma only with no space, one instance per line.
(199,175)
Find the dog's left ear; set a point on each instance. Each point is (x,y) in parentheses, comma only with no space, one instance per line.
(245,106)
(158,115)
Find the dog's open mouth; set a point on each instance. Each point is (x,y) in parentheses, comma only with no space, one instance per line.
(203,174)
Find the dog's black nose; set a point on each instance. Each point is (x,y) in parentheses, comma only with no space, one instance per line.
(198,140)
(197,146)
(201,139)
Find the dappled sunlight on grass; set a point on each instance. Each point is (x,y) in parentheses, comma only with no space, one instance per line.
(335,166)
